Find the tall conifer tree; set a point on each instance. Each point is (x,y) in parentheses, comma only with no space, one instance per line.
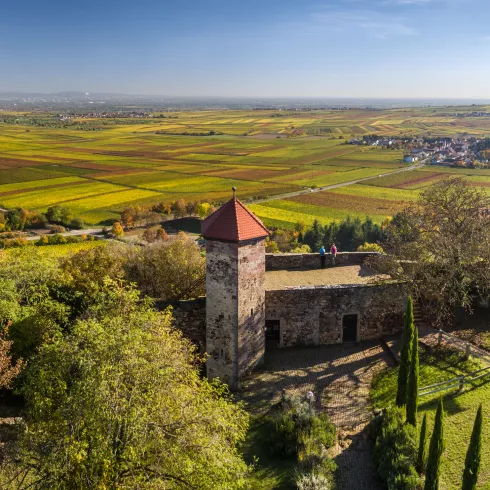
(405,355)
(473,456)
(413,381)
(435,451)
(422,454)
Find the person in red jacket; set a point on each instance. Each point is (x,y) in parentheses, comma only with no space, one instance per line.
(333,252)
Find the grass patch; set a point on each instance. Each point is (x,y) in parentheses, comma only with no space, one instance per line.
(435,366)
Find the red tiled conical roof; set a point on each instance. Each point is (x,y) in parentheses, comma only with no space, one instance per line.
(233,222)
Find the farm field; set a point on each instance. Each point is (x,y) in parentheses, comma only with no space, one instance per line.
(200,155)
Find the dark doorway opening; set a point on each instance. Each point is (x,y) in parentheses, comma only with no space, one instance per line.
(349,328)
(272,333)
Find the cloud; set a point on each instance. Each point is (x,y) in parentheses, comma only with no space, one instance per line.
(485,38)
(375,24)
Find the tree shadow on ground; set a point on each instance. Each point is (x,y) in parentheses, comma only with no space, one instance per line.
(309,368)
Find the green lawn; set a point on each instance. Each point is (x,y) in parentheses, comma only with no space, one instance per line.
(460,410)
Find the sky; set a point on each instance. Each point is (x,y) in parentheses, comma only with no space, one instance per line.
(250,48)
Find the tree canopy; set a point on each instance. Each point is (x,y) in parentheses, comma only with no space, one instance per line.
(440,247)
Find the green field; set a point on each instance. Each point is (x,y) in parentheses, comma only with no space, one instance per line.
(263,153)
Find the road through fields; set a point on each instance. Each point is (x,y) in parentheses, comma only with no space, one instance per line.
(335,186)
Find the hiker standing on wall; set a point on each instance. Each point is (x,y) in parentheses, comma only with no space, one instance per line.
(333,251)
(322,257)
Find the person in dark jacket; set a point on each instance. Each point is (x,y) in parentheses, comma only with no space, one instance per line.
(323,257)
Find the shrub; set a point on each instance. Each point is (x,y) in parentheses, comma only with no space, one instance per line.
(370,247)
(77,223)
(57,229)
(395,453)
(298,431)
(310,481)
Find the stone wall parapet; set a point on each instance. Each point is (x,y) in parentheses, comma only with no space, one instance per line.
(307,261)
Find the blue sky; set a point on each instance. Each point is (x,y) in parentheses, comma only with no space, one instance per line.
(356,48)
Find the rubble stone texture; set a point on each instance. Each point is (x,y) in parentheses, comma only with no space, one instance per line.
(235,310)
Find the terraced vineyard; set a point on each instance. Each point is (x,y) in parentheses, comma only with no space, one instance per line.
(263,153)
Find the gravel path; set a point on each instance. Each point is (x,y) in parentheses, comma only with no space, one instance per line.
(340,377)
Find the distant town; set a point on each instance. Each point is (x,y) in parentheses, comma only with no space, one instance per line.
(468,152)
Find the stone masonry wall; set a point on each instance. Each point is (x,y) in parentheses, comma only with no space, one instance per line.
(222,311)
(190,318)
(251,305)
(312,261)
(313,316)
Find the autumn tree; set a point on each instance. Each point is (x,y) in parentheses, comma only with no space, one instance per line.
(190,208)
(202,209)
(179,208)
(161,234)
(149,235)
(117,229)
(161,208)
(119,403)
(440,247)
(127,218)
(8,369)
(167,270)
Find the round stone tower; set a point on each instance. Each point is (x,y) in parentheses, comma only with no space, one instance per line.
(235,294)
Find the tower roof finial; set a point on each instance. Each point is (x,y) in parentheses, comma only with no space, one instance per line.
(234,192)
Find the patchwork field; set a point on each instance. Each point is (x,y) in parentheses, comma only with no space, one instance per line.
(199,156)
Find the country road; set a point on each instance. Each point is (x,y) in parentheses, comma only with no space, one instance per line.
(89,231)
(335,186)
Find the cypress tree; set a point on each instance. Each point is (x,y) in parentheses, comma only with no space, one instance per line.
(435,451)
(413,382)
(405,355)
(422,454)
(473,456)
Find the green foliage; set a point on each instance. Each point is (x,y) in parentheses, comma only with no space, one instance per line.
(298,431)
(370,247)
(422,452)
(59,215)
(297,424)
(413,381)
(395,452)
(405,354)
(436,449)
(349,234)
(119,403)
(473,456)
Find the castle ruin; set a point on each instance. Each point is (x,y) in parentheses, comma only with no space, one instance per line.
(256,301)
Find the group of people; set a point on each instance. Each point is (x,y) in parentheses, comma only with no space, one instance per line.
(323,257)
